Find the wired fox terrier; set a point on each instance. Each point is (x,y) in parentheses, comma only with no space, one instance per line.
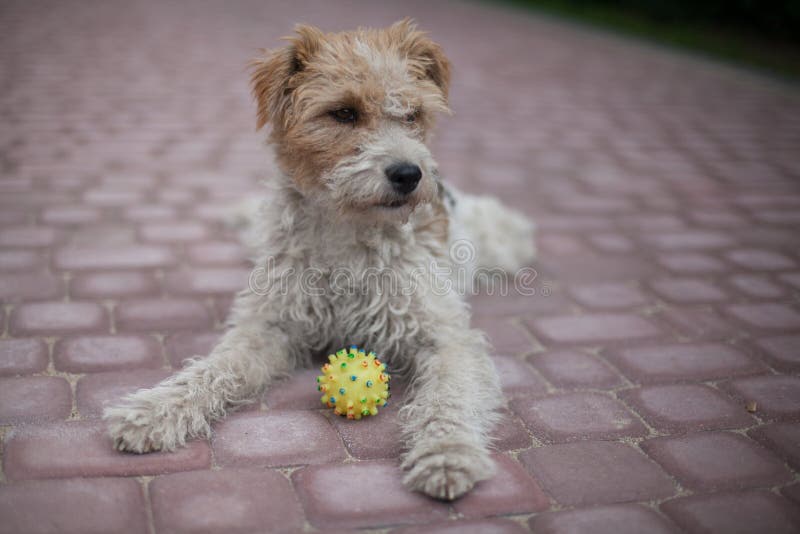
(358,192)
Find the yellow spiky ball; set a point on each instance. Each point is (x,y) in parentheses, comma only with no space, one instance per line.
(354,383)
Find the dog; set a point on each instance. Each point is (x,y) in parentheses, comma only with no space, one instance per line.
(358,192)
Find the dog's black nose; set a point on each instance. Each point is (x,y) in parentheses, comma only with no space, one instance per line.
(404,177)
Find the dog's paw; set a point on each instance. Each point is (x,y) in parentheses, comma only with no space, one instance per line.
(448,474)
(137,426)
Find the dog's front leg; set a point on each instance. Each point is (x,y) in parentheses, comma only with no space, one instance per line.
(446,423)
(184,405)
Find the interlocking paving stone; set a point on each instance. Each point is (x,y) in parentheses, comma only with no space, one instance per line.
(216,253)
(701,324)
(22,356)
(34,399)
(688,361)
(515,305)
(792,492)
(228,500)
(382,499)
(89,354)
(13,260)
(16,287)
(220,280)
(783,351)
(596,472)
(516,376)
(162,315)
(610,242)
(572,369)
(614,519)
(608,296)
(70,214)
(687,290)
(510,491)
(768,316)
(595,328)
(495,526)
(27,236)
(577,416)
(298,392)
(776,396)
(117,284)
(95,391)
(756,286)
(276,438)
(735,513)
(174,231)
(710,461)
(690,240)
(50,318)
(149,212)
(684,407)
(84,449)
(691,263)
(760,260)
(77,506)
(781,438)
(371,438)
(118,257)
(112,197)
(793,279)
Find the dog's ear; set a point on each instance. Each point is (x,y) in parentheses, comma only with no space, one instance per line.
(425,55)
(272,74)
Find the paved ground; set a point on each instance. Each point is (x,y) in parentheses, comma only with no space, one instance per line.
(667,193)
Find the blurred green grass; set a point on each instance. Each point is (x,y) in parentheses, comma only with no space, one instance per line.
(761,35)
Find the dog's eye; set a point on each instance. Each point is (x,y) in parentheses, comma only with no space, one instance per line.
(345,115)
(412,117)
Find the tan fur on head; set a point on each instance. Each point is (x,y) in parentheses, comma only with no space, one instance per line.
(395,79)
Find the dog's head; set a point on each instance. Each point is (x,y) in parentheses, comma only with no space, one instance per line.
(350,113)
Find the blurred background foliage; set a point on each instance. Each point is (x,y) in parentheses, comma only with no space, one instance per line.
(762,34)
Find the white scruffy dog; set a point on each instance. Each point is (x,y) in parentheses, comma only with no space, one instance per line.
(356,249)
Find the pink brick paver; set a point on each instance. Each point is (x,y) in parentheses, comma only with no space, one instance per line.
(615,519)
(94,391)
(22,356)
(77,506)
(87,354)
(82,449)
(776,396)
(782,438)
(34,399)
(225,501)
(666,363)
(328,493)
(277,438)
(496,526)
(573,369)
(750,511)
(596,472)
(511,491)
(578,416)
(650,382)
(717,460)
(681,407)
